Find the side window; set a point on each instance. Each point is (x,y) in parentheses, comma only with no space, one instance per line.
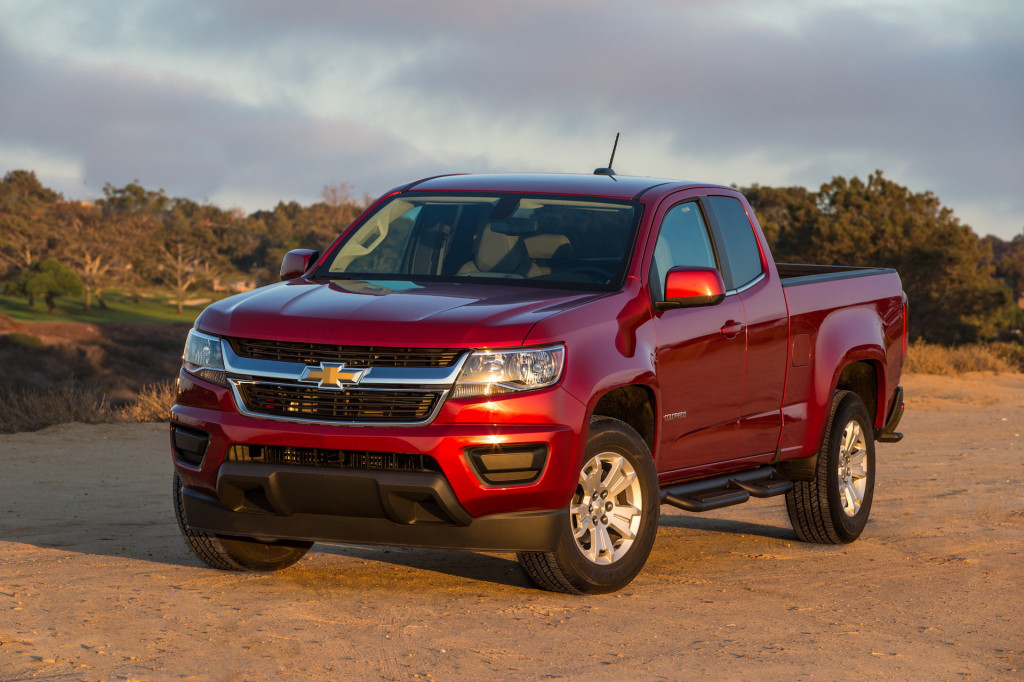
(682,240)
(738,242)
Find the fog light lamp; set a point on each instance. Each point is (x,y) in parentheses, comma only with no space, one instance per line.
(508,464)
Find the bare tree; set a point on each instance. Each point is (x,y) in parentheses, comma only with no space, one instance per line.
(98,249)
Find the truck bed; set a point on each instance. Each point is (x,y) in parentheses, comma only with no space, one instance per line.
(793,274)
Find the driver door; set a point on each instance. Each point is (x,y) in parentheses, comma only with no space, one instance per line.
(701,352)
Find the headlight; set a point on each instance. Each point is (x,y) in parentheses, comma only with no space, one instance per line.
(203,357)
(492,372)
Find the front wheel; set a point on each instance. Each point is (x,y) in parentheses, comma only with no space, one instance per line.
(611,520)
(236,554)
(833,507)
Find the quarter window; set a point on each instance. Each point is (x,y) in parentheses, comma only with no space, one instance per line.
(738,241)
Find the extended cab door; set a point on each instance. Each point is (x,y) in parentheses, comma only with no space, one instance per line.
(701,352)
(748,273)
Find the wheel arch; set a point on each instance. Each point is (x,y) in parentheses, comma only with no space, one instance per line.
(633,404)
(863,378)
(849,355)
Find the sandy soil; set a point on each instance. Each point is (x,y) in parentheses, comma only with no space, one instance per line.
(95,582)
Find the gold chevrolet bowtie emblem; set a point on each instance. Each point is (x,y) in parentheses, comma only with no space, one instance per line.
(331,376)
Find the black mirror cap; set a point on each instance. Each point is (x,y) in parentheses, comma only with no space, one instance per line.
(297,262)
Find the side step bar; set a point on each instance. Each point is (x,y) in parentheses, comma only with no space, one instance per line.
(728,489)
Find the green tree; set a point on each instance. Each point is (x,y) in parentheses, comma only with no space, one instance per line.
(46,278)
(945,269)
(27,231)
(789,217)
(132,199)
(1008,258)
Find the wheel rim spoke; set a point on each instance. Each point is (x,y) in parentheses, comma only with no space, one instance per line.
(614,472)
(621,483)
(622,525)
(592,551)
(624,511)
(603,546)
(852,434)
(582,529)
(591,480)
(858,496)
(848,502)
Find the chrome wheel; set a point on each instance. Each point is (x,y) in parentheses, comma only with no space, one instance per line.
(853,468)
(606,509)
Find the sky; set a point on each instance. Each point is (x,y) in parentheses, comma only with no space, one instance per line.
(244,103)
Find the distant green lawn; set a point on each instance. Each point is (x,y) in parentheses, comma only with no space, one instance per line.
(120,308)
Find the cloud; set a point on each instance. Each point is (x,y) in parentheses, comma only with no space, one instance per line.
(845,84)
(257,97)
(183,136)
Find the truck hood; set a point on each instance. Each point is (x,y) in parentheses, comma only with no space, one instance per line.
(423,314)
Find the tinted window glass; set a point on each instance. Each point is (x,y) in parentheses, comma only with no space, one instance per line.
(682,241)
(549,241)
(739,242)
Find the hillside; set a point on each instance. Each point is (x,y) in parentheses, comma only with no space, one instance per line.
(115,358)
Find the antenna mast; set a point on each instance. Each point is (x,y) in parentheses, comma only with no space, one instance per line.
(615,146)
(608,170)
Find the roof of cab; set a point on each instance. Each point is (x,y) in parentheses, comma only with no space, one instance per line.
(610,186)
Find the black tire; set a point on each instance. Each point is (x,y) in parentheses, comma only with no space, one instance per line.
(615,559)
(819,509)
(236,554)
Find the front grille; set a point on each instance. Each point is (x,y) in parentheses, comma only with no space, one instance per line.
(337,459)
(356,405)
(352,356)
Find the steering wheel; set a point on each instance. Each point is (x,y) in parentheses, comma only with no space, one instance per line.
(594,272)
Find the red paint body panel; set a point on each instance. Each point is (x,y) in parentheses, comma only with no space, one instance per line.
(726,389)
(858,324)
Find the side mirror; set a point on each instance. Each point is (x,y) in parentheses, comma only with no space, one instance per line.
(692,287)
(296,262)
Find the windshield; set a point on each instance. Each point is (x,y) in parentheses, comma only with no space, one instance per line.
(556,241)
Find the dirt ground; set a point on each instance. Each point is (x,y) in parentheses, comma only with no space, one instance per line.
(96,584)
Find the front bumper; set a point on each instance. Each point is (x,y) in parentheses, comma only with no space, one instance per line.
(374,510)
(448,508)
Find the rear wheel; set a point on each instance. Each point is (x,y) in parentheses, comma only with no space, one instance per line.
(236,554)
(611,521)
(833,507)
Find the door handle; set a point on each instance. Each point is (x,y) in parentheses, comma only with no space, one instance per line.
(732,329)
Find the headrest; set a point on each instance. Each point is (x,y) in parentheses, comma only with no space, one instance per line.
(520,226)
(545,246)
(493,247)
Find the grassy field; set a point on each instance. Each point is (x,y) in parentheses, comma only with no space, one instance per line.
(120,308)
(926,358)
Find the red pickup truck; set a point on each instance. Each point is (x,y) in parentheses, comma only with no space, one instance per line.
(534,363)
